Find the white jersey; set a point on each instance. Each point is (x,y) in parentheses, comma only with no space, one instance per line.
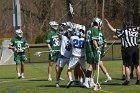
(77,44)
(63,50)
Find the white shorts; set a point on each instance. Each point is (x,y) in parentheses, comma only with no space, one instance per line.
(74,60)
(61,62)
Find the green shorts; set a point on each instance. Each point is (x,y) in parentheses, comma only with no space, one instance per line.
(19,58)
(91,58)
(54,56)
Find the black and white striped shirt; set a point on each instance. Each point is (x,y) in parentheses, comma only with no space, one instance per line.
(129,37)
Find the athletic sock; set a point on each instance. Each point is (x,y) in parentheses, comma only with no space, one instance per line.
(70,78)
(49,76)
(18,74)
(107,75)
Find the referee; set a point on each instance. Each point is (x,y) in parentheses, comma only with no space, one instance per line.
(129,41)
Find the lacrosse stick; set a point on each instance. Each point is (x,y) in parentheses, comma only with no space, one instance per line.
(110,46)
(40,52)
(97,86)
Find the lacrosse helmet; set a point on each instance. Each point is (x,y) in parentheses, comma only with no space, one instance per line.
(97,22)
(19,33)
(63,26)
(53,25)
(79,30)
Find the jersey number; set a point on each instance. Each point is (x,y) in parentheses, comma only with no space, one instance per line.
(56,42)
(78,43)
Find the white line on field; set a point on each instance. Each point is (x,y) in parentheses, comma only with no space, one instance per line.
(106,91)
(17,79)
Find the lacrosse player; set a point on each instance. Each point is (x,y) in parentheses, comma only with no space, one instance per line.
(78,52)
(19,44)
(65,51)
(53,43)
(93,49)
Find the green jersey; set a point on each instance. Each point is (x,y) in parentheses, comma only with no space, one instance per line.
(53,39)
(18,43)
(19,50)
(95,34)
(91,52)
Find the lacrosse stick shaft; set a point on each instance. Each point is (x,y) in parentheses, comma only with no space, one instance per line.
(98,68)
(110,46)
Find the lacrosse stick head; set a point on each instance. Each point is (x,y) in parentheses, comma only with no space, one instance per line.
(38,54)
(97,87)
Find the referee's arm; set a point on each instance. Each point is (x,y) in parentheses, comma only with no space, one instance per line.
(109,25)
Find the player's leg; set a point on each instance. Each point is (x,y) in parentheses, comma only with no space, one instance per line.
(61,63)
(104,70)
(83,69)
(72,63)
(92,66)
(88,75)
(18,63)
(78,74)
(128,63)
(23,59)
(136,64)
(50,70)
(131,73)
(18,70)
(123,67)
(22,69)
(123,72)
(58,76)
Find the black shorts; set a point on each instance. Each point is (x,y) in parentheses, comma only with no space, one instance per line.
(131,56)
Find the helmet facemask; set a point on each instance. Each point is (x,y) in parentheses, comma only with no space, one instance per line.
(53,25)
(19,33)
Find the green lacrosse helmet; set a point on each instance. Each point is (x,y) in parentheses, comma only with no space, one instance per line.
(97,22)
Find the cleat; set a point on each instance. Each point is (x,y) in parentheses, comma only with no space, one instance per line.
(92,84)
(86,84)
(69,83)
(22,77)
(123,77)
(126,82)
(108,79)
(57,85)
(49,79)
(138,82)
(61,78)
(77,82)
(19,77)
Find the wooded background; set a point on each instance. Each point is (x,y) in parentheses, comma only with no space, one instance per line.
(37,13)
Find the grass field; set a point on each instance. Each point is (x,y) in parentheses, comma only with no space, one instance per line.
(36,80)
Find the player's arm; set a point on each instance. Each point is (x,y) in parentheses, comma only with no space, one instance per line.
(48,40)
(11,45)
(109,25)
(95,44)
(49,46)
(26,45)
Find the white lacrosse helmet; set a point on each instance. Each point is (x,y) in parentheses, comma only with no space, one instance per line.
(19,33)
(97,21)
(53,25)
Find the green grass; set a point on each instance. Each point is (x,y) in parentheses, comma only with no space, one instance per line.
(36,80)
